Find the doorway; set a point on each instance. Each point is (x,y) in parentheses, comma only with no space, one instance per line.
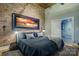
(67,30)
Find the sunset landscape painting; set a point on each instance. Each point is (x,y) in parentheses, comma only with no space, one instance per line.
(25,22)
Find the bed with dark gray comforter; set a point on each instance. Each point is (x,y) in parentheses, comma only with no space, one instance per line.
(39,46)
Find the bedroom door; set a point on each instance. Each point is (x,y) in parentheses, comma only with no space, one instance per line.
(67,30)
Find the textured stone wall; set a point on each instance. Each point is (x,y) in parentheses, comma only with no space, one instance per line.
(6,10)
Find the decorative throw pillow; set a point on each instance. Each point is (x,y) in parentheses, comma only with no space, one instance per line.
(35,34)
(21,36)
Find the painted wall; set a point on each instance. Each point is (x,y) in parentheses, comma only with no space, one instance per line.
(6,10)
(59,12)
(55,28)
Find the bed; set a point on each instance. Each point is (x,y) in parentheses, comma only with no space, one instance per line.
(37,45)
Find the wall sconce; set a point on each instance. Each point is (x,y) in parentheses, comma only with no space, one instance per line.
(16,32)
(3,27)
(43,30)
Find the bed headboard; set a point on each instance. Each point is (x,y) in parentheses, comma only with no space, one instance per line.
(22,35)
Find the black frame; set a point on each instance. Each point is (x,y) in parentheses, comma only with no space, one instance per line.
(14,15)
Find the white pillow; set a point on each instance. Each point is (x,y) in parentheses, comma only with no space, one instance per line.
(40,34)
(28,36)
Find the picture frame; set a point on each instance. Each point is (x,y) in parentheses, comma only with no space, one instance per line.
(24,22)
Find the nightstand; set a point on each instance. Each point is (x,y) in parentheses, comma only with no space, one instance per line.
(4,49)
(13,46)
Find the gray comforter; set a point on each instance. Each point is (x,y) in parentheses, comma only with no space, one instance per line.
(40,46)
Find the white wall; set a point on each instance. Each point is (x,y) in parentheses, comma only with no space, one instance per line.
(56,28)
(59,11)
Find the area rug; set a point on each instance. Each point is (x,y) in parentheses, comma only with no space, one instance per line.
(66,51)
(13,53)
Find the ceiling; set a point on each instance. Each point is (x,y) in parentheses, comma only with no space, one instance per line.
(45,5)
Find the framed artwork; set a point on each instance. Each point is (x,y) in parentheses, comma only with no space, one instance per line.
(24,22)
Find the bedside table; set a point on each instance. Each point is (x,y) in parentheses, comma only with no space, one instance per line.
(13,46)
(4,49)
